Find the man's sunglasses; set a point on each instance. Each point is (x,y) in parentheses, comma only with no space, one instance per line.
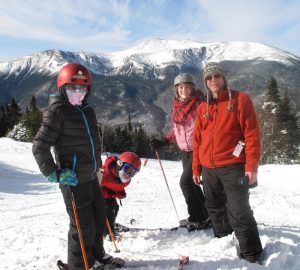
(216,76)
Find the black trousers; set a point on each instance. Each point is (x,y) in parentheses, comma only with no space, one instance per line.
(227,203)
(91,213)
(112,209)
(192,193)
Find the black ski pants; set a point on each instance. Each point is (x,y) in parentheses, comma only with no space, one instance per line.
(192,193)
(227,203)
(91,214)
(112,209)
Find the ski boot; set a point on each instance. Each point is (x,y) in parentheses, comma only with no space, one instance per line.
(110,260)
(121,228)
(192,226)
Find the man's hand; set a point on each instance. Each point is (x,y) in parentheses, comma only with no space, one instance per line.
(252,177)
(197,180)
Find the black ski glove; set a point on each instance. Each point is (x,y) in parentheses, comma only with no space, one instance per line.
(156,144)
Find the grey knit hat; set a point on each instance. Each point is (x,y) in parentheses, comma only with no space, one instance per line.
(213,68)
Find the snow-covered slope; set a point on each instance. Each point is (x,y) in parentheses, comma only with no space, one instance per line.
(34,224)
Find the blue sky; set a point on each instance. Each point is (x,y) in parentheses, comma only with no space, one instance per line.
(29,26)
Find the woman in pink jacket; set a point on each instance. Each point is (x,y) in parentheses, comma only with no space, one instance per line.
(186,101)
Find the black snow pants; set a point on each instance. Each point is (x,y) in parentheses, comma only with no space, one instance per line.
(192,193)
(91,213)
(112,209)
(227,203)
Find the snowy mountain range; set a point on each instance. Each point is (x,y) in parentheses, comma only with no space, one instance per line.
(139,80)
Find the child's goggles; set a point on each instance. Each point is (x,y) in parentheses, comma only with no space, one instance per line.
(76,88)
(128,169)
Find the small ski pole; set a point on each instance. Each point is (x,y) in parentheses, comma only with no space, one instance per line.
(145,161)
(112,236)
(86,265)
(157,155)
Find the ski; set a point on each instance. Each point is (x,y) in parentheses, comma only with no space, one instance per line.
(182,261)
(63,266)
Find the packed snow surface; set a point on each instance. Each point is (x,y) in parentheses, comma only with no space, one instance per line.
(34,223)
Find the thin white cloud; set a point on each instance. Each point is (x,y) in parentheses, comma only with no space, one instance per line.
(96,25)
(67,22)
(261,21)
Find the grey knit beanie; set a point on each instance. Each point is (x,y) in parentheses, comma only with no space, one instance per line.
(213,68)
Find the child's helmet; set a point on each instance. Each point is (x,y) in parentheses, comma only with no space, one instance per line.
(74,74)
(131,159)
(128,165)
(184,78)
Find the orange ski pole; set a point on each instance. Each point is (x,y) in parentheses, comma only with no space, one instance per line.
(112,236)
(79,231)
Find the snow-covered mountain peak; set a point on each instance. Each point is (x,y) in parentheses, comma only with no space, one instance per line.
(157,44)
(160,52)
(156,53)
(241,51)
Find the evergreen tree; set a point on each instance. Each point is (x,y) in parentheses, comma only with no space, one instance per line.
(19,132)
(3,122)
(124,139)
(141,142)
(33,105)
(129,125)
(267,114)
(272,91)
(13,114)
(278,127)
(107,135)
(32,119)
(289,135)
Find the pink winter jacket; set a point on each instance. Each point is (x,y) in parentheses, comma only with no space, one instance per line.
(183,134)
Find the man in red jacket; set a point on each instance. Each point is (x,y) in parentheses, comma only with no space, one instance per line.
(226,153)
(117,174)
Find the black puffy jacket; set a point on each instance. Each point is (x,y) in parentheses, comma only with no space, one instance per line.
(73,133)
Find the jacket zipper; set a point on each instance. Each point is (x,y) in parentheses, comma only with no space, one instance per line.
(213,135)
(90,137)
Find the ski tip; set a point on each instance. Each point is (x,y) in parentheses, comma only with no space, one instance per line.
(184,259)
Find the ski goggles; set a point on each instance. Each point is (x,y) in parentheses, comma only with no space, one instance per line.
(77,88)
(128,170)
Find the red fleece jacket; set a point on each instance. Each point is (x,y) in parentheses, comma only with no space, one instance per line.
(215,138)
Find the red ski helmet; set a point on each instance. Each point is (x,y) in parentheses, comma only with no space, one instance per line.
(128,165)
(74,74)
(131,159)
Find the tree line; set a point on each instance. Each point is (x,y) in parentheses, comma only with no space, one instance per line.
(280,135)
(23,126)
(279,130)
